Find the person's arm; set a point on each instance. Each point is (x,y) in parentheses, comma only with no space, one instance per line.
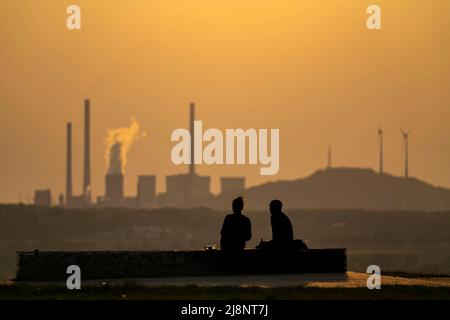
(273,224)
(291,230)
(224,230)
(249,230)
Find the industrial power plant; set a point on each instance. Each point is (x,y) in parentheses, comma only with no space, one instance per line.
(182,190)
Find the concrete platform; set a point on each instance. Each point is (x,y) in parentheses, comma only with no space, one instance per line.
(52,265)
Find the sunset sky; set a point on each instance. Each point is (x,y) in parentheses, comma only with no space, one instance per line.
(308,67)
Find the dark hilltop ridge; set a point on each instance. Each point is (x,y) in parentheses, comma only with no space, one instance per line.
(352,188)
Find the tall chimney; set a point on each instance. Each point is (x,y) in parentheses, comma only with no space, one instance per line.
(69,165)
(329,165)
(406,156)
(87,156)
(191,120)
(380,133)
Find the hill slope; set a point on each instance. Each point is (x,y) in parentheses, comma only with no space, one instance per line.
(345,188)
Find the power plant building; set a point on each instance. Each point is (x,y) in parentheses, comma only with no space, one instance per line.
(189,189)
(146,191)
(200,187)
(232,186)
(43,198)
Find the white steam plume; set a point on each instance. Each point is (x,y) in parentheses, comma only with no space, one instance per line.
(118,142)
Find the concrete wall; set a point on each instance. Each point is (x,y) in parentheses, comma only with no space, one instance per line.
(52,265)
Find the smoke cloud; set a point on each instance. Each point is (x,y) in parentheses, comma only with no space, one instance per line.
(118,142)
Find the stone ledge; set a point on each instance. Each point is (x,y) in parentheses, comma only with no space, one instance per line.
(52,265)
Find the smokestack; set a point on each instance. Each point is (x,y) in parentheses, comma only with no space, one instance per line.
(87,156)
(406,157)
(380,133)
(69,165)
(329,157)
(192,119)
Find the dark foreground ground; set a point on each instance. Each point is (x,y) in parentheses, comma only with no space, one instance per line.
(132,291)
(346,286)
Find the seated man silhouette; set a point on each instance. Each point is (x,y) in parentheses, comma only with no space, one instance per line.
(236,229)
(282,232)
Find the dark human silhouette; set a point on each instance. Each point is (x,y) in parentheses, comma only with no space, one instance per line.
(282,233)
(236,229)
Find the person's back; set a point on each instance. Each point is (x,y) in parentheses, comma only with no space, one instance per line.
(282,232)
(236,229)
(281,228)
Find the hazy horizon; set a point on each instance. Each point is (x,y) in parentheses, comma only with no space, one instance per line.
(310,68)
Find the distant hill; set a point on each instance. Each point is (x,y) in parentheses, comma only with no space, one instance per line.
(351,188)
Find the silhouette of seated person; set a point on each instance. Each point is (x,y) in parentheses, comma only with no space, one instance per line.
(236,229)
(282,232)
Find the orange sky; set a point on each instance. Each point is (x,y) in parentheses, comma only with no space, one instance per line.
(310,68)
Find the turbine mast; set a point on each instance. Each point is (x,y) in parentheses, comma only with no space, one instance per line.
(405,143)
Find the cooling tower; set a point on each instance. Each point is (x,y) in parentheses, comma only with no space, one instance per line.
(114,189)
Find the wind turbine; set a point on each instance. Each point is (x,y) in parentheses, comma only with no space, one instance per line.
(380,134)
(405,139)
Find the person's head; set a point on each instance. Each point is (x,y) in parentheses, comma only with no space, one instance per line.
(275,206)
(238,205)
